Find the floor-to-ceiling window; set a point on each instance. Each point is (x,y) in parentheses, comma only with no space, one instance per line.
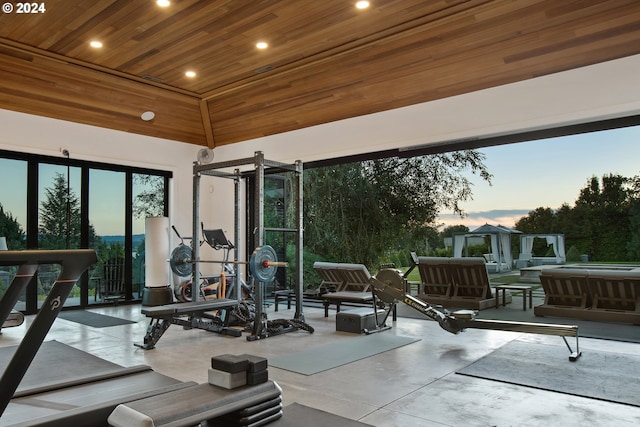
(148,200)
(107,232)
(61,203)
(13,215)
(59,220)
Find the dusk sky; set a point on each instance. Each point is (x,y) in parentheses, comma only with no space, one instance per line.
(546,173)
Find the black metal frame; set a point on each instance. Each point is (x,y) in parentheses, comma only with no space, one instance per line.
(33,162)
(260,167)
(73,264)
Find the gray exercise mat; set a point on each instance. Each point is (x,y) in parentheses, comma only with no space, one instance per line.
(55,363)
(596,374)
(95,320)
(330,356)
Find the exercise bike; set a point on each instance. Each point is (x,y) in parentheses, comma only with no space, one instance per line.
(210,287)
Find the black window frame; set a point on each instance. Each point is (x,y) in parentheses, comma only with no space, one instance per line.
(32,209)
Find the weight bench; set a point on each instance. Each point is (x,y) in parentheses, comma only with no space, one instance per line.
(189,315)
(193,405)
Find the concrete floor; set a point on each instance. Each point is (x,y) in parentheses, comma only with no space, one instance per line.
(412,386)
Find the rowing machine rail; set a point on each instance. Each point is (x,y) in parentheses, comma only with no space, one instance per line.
(390,292)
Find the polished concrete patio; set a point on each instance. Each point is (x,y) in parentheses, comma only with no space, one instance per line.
(411,386)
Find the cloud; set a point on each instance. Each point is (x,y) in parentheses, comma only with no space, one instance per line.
(506,217)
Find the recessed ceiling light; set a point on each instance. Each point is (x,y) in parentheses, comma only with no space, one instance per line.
(363,4)
(190,74)
(262,45)
(95,44)
(163,3)
(147,116)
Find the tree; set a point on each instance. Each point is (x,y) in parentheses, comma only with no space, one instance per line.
(539,220)
(601,221)
(603,208)
(450,230)
(11,229)
(633,243)
(150,201)
(357,212)
(59,223)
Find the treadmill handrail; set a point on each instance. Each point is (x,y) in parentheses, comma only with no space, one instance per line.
(72,263)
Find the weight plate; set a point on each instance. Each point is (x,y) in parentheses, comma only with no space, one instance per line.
(178,261)
(257,261)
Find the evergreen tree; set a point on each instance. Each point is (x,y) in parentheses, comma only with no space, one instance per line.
(11,229)
(59,222)
(603,209)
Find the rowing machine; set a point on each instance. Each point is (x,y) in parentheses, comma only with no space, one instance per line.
(389,286)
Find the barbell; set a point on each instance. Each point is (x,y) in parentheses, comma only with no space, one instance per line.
(263,262)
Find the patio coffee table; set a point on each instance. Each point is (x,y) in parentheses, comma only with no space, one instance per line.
(524,288)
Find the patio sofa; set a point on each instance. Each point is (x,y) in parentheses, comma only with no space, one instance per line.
(597,295)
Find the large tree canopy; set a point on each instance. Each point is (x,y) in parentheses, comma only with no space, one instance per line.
(148,200)
(359,211)
(602,222)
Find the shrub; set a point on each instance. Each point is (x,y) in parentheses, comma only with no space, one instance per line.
(573,255)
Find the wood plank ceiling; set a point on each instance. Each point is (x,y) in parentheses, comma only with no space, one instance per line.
(326,59)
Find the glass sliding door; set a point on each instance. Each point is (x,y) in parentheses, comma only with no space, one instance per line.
(59,221)
(53,203)
(149,200)
(107,233)
(275,205)
(13,216)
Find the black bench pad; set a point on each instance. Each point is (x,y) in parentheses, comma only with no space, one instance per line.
(187,307)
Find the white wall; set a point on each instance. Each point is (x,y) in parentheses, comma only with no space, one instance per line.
(40,135)
(591,93)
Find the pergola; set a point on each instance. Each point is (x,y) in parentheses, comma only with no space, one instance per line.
(553,239)
(501,256)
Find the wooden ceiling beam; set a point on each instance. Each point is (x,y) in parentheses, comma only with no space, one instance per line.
(206,123)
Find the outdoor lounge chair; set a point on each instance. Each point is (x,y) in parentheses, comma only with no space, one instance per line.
(456,282)
(352,284)
(111,285)
(566,293)
(471,286)
(436,278)
(354,276)
(615,296)
(328,272)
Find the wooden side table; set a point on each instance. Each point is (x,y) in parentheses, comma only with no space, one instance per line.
(524,288)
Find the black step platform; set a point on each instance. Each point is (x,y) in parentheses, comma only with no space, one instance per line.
(190,406)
